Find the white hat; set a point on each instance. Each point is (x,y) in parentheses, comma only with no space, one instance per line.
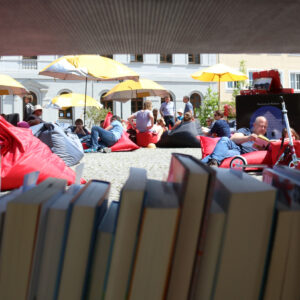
(37,107)
(180,110)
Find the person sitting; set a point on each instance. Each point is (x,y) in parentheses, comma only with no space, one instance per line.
(102,138)
(294,134)
(144,118)
(35,117)
(180,114)
(209,124)
(241,142)
(79,129)
(220,127)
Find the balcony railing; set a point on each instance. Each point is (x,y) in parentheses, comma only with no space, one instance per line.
(29,64)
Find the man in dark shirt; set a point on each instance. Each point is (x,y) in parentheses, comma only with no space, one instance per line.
(188,105)
(220,127)
(241,142)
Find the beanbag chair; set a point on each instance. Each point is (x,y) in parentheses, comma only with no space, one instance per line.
(22,153)
(68,148)
(143,139)
(276,150)
(208,144)
(252,158)
(185,135)
(124,143)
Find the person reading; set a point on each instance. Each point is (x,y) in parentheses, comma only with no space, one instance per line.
(241,142)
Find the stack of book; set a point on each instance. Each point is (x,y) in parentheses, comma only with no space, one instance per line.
(203,234)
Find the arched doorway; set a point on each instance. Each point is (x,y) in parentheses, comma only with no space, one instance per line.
(34,100)
(195,99)
(66,113)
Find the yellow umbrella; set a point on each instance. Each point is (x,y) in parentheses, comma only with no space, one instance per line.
(135,89)
(73,99)
(218,73)
(88,67)
(9,86)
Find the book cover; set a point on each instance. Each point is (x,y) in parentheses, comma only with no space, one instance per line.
(261,143)
(156,242)
(104,241)
(249,206)
(284,261)
(193,178)
(53,244)
(126,232)
(88,211)
(21,231)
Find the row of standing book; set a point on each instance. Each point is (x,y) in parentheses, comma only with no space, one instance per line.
(205,233)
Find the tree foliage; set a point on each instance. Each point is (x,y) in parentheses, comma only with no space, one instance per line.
(95,115)
(240,84)
(209,105)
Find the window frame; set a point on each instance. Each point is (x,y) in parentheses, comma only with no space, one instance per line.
(165,60)
(193,62)
(136,58)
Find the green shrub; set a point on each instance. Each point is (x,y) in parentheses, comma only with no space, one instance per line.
(209,105)
(95,115)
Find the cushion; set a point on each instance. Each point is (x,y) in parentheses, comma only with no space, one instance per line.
(208,145)
(185,135)
(143,139)
(276,150)
(253,158)
(22,153)
(124,143)
(257,157)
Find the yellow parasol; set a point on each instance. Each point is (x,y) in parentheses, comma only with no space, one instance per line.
(88,67)
(218,73)
(73,99)
(135,89)
(9,86)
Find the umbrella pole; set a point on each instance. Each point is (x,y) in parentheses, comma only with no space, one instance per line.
(84,111)
(219,102)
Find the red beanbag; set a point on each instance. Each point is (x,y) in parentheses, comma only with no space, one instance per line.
(252,158)
(277,150)
(22,153)
(124,143)
(207,145)
(143,139)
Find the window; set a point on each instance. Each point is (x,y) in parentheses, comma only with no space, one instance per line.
(295,81)
(231,85)
(29,62)
(107,104)
(166,58)
(194,59)
(250,77)
(66,112)
(136,104)
(136,58)
(107,55)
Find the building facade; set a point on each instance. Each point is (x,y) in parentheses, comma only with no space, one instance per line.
(288,66)
(170,70)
